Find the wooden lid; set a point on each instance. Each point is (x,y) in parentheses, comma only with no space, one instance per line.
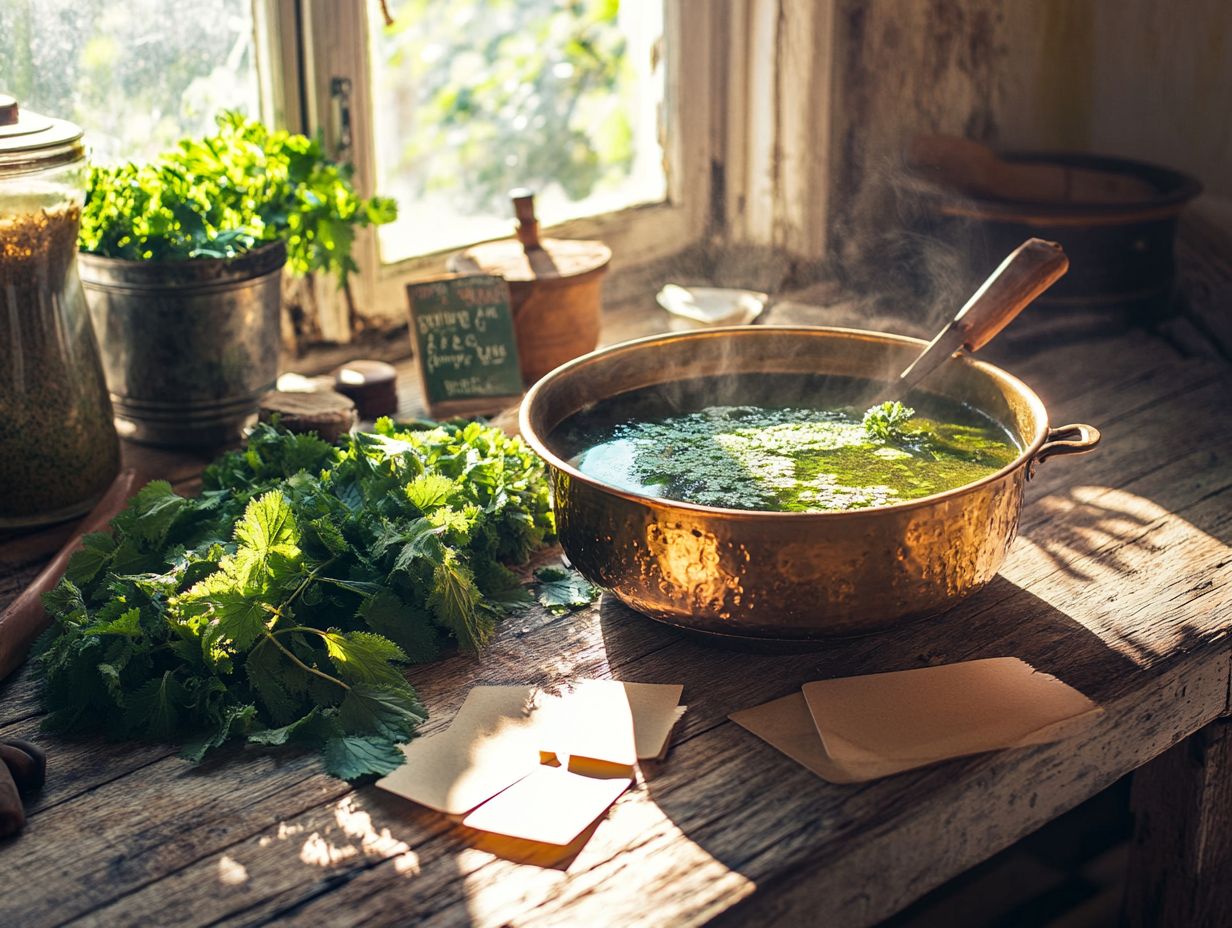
(526,257)
(555,258)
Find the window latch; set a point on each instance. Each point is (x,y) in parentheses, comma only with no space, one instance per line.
(340,99)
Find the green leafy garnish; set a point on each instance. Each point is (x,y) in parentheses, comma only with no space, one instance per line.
(224,194)
(885,422)
(561,591)
(280,605)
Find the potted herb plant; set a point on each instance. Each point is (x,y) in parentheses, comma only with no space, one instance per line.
(181,260)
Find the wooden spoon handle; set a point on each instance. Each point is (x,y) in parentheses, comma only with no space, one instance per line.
(1030,269)
(24,620)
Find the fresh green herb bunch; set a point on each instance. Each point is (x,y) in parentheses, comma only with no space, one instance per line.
(885,422)
(277,605)
(219,196)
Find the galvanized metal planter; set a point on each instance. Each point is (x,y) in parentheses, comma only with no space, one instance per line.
(189,347)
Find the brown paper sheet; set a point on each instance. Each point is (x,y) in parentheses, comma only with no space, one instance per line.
(551,806)
(861,728)
(883,723)
(786,724)
(493,742)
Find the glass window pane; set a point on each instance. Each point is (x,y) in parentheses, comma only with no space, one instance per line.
(135,74)
(474,97)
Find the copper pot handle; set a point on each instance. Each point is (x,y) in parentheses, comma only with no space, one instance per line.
(1068,439)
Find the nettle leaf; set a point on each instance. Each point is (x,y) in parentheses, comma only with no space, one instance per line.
(63,601)
(362,587)
(560,591)
(95,554)
(387,711)
(151,512)
(453,601)
(128,624)
(500,585)
(234,722)
(278,683)
(277,736)
(414,541)
(154,708)
(408,627)
(352,757)
(364,657)
(329,536)
(268,536)
(233,617)
(429,491)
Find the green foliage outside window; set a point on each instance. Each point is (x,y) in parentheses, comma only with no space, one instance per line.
(510,93)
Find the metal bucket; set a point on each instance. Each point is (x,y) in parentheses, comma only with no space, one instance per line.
(188,347)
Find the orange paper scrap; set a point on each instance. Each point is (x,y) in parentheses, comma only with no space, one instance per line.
(552,806)
(880,724)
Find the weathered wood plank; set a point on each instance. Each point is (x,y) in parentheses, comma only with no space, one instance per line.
(1180,870)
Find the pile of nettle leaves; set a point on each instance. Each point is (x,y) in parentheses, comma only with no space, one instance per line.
(277,606)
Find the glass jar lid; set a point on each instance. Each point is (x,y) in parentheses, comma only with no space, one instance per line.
(32,142)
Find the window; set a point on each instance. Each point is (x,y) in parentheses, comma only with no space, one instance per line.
(472,98)
(134,74)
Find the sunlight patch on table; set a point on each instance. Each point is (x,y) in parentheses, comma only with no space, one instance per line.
(231,872)
(637,843)
(1116,552)
(352,835)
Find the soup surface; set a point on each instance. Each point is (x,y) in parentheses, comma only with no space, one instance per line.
(781,443)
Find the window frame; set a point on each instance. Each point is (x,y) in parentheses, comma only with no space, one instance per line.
(333,44)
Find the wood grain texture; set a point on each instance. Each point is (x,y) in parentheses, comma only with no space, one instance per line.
(1118,584)
(1180,871)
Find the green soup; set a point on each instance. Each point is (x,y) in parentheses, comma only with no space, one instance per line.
(745,450)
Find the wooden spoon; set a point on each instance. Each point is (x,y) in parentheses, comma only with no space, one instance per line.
(1030,269)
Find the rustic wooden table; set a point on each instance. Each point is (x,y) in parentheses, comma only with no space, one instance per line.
(1118,584)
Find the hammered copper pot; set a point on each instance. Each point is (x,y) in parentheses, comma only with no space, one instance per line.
(788,575)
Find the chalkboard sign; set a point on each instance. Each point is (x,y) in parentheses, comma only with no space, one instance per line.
(463,333)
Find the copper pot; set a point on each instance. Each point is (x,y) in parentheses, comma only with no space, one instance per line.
(774,575)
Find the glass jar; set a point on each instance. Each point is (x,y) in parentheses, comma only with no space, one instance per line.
(58,446)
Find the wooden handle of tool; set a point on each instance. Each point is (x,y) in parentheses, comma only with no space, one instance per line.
(24,620)
(1031,268)
(528,225)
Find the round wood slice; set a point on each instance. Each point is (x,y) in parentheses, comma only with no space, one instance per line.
(325,412)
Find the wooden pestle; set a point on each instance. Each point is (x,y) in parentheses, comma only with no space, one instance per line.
(24,619)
